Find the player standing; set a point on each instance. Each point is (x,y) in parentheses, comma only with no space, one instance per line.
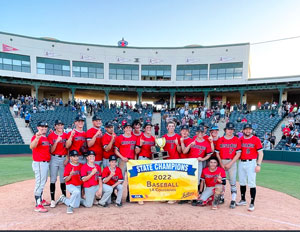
(250,163)
(59,159)
(41,157)
(108,141)
(228,151)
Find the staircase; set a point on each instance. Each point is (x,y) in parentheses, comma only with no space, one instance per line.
(89,122)
(156,118)
(278,132)
(221,125)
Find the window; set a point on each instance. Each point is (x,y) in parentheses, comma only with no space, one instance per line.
(124,72)
(156,72)
(226,71)
(53,66)
(14,62)
(193,72)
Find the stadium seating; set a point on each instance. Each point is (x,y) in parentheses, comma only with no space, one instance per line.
(9,133)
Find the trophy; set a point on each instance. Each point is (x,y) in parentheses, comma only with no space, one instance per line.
(160,142)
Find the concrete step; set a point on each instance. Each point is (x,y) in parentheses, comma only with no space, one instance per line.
(25,132)
(156,118)
(221,125)
(278,132)
(89,122)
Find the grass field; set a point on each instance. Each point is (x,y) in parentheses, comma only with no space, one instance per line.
(283,178)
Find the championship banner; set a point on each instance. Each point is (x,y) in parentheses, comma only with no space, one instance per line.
(157,180)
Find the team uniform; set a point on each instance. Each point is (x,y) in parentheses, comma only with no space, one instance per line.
(125,145)
(108,186)
(227,149)
(186,141)
(97,147)
(211,183)
(145,153)
(78,141)
(215,145)
(171,147)
(73,185)
(250,148)
(90,186)
(200,149)
(106,154)
(40,165)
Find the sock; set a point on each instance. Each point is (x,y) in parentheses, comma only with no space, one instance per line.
(243,192)
(63,188)
(52,191)
(252,194)
(37,200)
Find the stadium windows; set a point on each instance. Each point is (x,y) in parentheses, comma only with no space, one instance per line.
(156,72)
(193,72)
(53,66)
(14,62)
(226,71)
(123,72)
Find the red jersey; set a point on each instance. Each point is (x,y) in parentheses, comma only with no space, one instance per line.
(75,179)
(200,149)
(205,137)
(42,150)
(227,148)
(171,147)
(78,140)
(186,142)
(250,147)
(94,180)
(126,146)
(215,145)
(146,147)
(97,147)
(114,179)
(210,178)
(286,131)
(105,141)
(61,146)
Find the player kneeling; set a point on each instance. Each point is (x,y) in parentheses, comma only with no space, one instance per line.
(215,180)
(73,182)
(112,180)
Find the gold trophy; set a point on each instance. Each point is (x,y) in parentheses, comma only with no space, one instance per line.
(160,142)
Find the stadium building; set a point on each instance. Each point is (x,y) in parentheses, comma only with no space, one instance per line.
(47,67)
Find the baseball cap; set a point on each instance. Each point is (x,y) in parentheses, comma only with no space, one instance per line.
(42,124)
(113,157)
(204,124)
(90,153)
(247,125)
(126,124)
(229,125)
(79,118)
(201,128)
(147,124)
(184,127)
(57,122)
(214,127)
(73,153)
(96,117)
(108,124)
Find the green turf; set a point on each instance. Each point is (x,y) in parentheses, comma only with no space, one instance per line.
(282,178)
(14,169)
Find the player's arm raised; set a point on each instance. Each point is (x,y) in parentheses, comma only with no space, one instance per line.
(178,147)
(53,147)
(34,142)
(86,178)
(109,146)
(91,142)
(69,141)
(187,148)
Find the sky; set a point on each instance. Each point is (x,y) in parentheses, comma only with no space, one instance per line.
(168,23)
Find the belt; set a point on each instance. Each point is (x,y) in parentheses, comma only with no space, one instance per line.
(226,159)
(246,160)
(59,155)
(45,161)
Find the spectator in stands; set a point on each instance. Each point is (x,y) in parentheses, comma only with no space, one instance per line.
(259,105)
(287,143)
(27,118)
(272,141)
(156,129)
(16,110)
(68,129)
(266,144)
(298,145)
(222,114)
(244,120)
(286,132)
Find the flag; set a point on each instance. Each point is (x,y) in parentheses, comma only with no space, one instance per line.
(6,48)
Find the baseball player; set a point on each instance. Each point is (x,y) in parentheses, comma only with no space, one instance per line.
(184,140)
(144,145)
(228,151)
(91,178)
(214,130)
(77,139)
(108,141)
(172,141)
(125,150)
(41,157)
(136,128)
(112,179)
(94,139)
(214,178)
(209,139)
(59,152)
(250,163)
(73,181)
(201,150)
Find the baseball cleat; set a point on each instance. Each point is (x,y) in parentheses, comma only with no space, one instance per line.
(119,204)
(214,207)
(232,205)
(194,203)
(53,204)
(41,209)
(171,202)
(69,210)
(104,206)
(182,202)
(140,202)
(222,200)
(201,203)
(251,207)
(60,199)
(241,203)
(95,202)
(45,203)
